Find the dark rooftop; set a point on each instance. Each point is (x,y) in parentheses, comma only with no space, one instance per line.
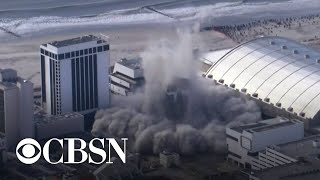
(265,128)
(249,126)
(78,40)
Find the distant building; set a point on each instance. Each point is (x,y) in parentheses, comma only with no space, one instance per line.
(248,144)
(126,77)
(16,107)
(169,159)
(306,165)
(59,125)
(281,75)
(74,75)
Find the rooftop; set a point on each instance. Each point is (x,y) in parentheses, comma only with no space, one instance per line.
(78,40)
(131,63)
(293,171)
(7,85)
(41,118)
(246,127)
(265,125)
(302,148)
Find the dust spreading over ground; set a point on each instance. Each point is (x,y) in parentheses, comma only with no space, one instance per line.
(178,110)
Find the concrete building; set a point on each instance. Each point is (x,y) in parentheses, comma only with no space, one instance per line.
(16,107)
(127,76)
(248,145)
(169,159)
(59,125)
(281,75)
(305,152)
(74,75)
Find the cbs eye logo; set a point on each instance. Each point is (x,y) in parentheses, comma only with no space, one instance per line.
(28,151)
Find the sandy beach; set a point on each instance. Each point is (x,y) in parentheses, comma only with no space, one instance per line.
(130,32)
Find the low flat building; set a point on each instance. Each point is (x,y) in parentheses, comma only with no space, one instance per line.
(59,125)
(248,144)
(305,152)
(126,77)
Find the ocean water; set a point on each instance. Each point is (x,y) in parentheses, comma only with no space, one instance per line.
(29,18)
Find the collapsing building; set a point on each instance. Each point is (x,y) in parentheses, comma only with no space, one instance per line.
(126,76)
(281,75)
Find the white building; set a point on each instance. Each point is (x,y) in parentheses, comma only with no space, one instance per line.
(58,125)
(74,75)
(16,107)
(281,75)
(248,144)
(127,76)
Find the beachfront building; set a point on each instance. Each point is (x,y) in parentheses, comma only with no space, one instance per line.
(281,75)
(74,75)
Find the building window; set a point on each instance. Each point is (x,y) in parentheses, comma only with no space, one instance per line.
(77,53)
(233,138)
(41,51)
(61,56)
(235,155)
(2,112)
(86,51)
(81,52)
(94,50)
(67,55)
(73,54)
(90,51)
(105,47)
(100,49)
(43,79)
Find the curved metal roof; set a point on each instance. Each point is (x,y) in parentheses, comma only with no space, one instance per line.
(277,70)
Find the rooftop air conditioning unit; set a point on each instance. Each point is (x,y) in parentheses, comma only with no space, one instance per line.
(232,85)
(267,99)
(255,95)
(221,81)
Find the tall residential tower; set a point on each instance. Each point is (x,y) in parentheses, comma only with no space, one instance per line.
(16,108)
(74,75)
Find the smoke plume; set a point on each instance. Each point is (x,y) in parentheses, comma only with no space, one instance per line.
(178,110)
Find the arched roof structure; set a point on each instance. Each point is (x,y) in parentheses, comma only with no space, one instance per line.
(276,70)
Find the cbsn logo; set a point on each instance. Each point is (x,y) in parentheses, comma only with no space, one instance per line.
(28,153)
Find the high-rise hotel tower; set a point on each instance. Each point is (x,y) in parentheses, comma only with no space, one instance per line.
(74,75)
